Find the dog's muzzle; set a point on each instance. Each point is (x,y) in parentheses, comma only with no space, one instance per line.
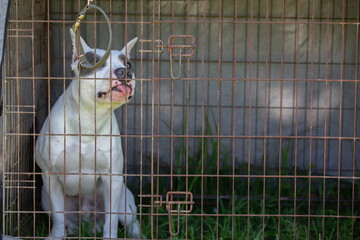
(124,76)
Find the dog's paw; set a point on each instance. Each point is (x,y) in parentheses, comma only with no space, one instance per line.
(54,238)
(57,233)
(133,229)
(110,235)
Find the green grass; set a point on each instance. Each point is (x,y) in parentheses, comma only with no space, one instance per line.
(241,216)
(233,222)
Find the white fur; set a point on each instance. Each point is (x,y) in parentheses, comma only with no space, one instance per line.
(87,151)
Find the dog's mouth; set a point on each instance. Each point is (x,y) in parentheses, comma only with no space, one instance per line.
(124,89)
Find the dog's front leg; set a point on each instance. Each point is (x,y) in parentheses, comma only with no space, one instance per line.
(112,193)
(55,192)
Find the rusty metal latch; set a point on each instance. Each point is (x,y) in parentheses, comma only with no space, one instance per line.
(156,204)
(159,45)
(185,50)
(178,211)
(188,51)
(169,203)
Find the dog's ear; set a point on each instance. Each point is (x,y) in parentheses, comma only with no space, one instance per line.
(74,51)
(129,46)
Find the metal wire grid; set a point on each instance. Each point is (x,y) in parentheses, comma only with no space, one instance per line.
(149,21)
(21,60)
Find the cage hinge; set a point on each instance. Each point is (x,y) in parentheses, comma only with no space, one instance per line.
(178,46)
(176,203)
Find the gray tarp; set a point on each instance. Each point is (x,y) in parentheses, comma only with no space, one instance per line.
(3,10)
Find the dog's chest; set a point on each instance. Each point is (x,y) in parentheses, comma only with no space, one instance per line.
(84,165)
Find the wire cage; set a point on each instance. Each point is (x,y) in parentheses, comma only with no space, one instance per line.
(244,123)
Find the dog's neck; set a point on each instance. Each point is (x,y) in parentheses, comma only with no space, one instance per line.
(89,108)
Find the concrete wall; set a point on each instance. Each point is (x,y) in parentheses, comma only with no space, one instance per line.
(316,52)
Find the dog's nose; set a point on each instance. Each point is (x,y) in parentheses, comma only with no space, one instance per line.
(122,73)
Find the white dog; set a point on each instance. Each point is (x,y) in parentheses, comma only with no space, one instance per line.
(79,149)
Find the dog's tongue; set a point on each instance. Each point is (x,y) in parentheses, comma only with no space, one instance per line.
(124,89)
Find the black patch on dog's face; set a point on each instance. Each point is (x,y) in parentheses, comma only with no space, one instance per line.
(129,65)
(92,59)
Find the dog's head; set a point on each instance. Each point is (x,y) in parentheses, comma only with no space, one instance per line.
(114,81)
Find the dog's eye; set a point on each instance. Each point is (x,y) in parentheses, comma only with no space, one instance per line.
(120,73)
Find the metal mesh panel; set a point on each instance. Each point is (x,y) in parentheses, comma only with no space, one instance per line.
(24,61)
(257,139)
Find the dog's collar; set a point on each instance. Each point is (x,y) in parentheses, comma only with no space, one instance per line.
(81,55)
